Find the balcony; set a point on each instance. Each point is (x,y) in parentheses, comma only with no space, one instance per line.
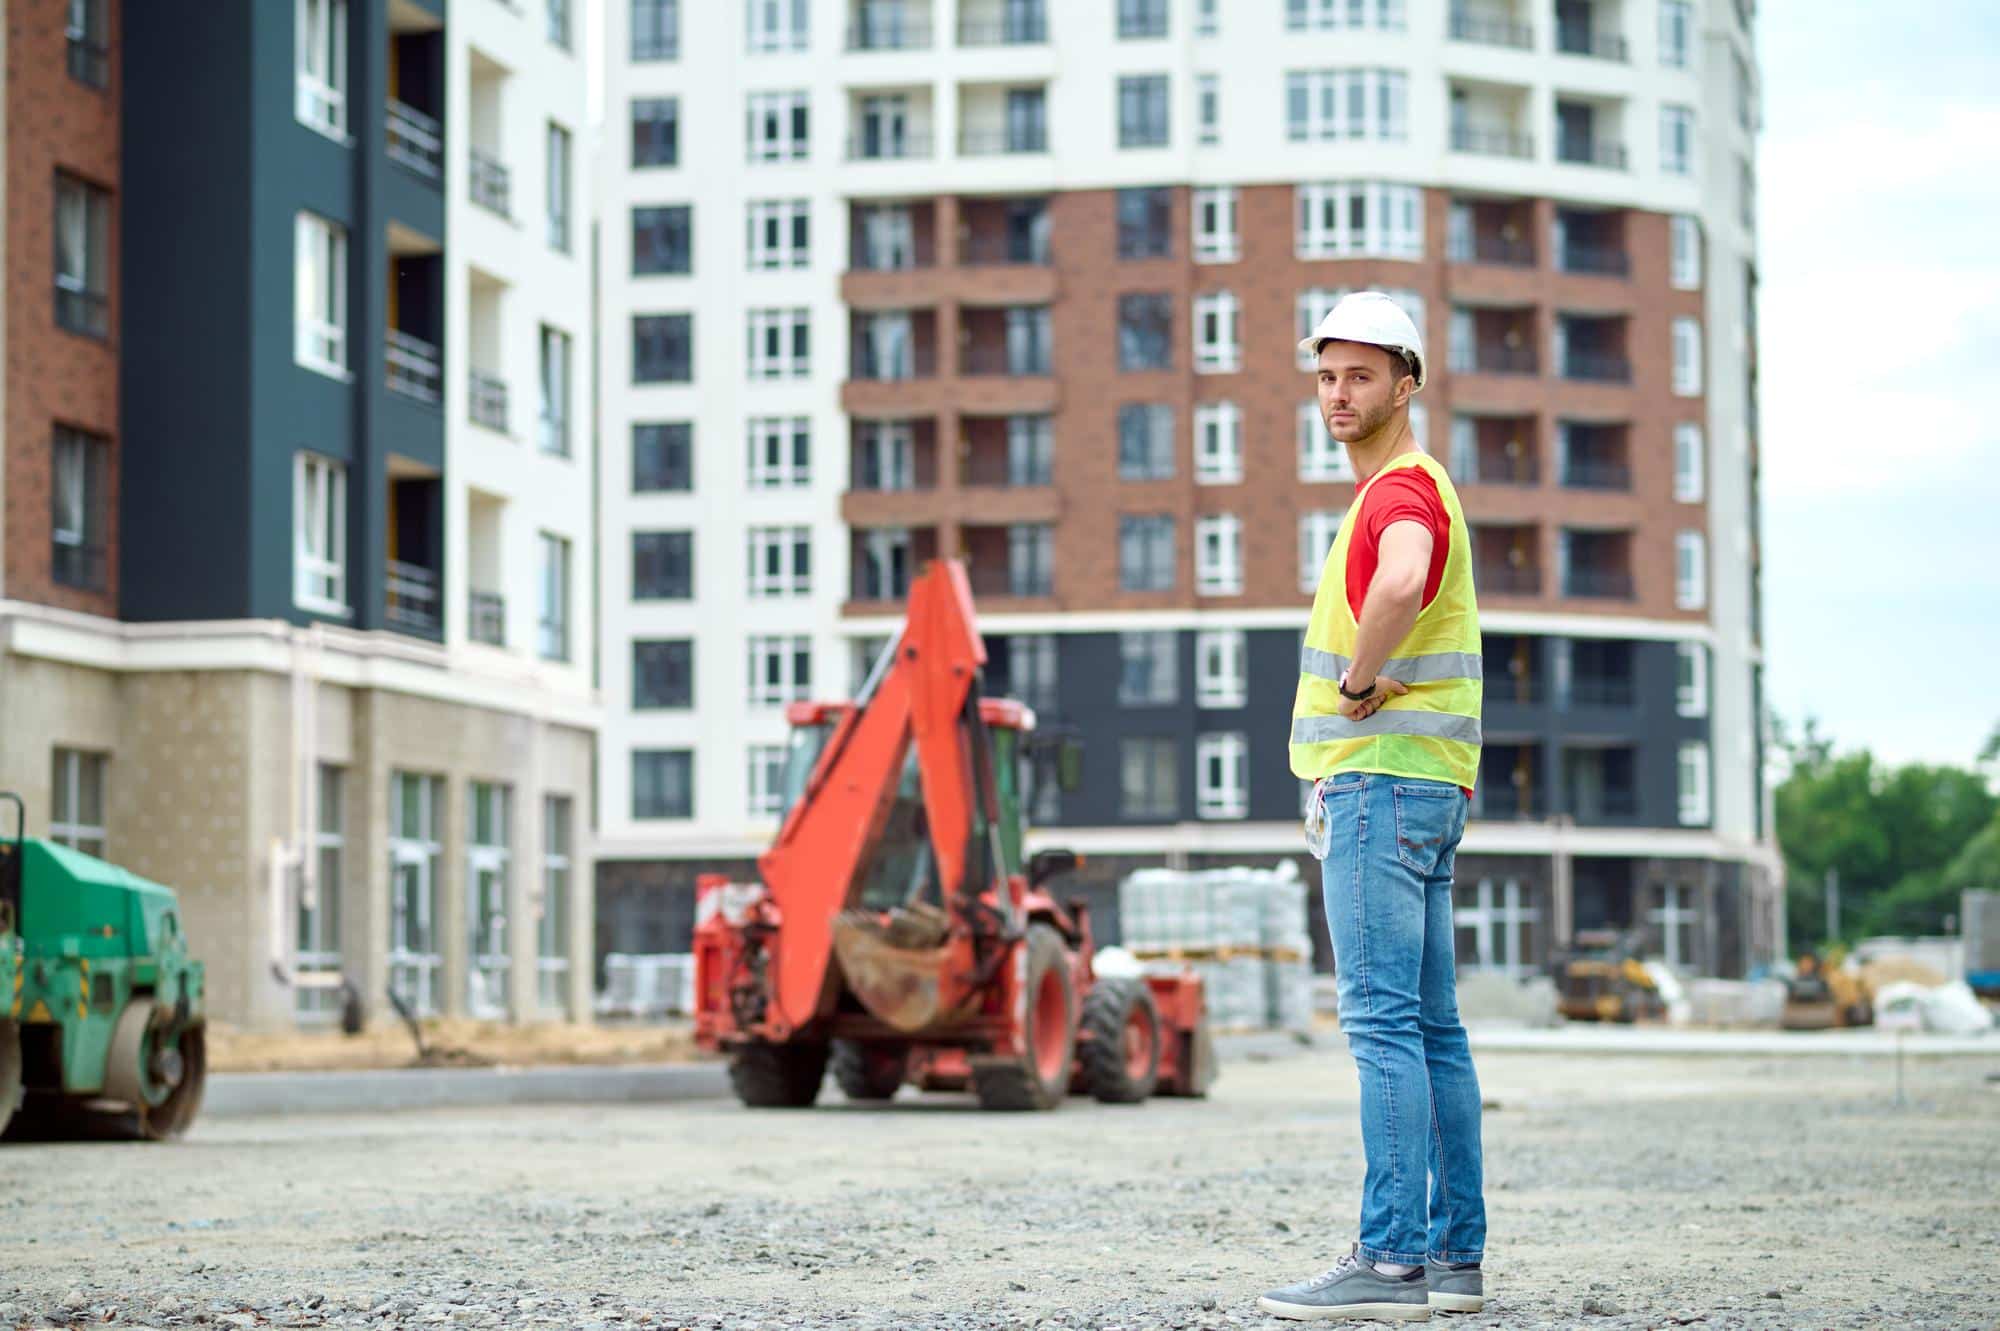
(1490,231)
(487,399)
(1599,260)
(1591,242)
(416,141)
(491,188)
(1508,579)
(1598,584)
(891,237)
(877,26)
(1003,232)
(883,560)
(1491,340)
(1581,37)
(1007,141)
(1509,670)
(1591,474)
(486,618)
(1494,450)
(1002,23)
(1588,133)
(1488,141)
(1013,342)
(1601,367)
(1499,358)
(901,146)
(1510,778)
(1487,28)
(1009,561)
(416,369)
(1600,785)
(1590,348)
(894,346)
(412,597)
(893,457)
(1007,452)
(1506,560)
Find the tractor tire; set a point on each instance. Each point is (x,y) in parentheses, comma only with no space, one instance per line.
(162,1083)
(868,1071)
(1198,1058)
(1119,1042)
(778,1076)
(1039,1077)
(10,1071)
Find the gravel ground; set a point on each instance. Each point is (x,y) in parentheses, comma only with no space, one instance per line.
(1622,1192)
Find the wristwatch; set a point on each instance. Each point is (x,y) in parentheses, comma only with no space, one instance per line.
(1354,697)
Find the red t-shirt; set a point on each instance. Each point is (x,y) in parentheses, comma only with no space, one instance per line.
(1407,494)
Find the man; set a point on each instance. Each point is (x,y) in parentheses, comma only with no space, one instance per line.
(1386,726)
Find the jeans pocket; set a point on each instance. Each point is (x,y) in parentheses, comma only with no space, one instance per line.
(1425,819)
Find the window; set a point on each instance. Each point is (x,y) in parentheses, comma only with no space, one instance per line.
(1694,804)
(321,273)
(885,456)
(1142,111)
(76,809)
(1335,15)
(1142,18)
(322,66)
(1145,331)
(780,670)
(656,132)
(885,564)
(1215,237)
(1321,456)
(662,240)
(1218,555)
(780,344)
(552,929)
(1143,223)
(1689,469)
(1687,357)
(888,238)
(1147,787)
(662,457)
(1222,776)
(89,43)
(319,535)
(1746,92)
(663,348)
(1317,531)
(662,565)
(1218,443)
(1219,670)
(77,509)
(559,23)
(316,917)
(780,561)
(1686,262)
(1030,559)
(1149,673)
(780,234)
(1216,350)
(1029,340)
(885,345)
(1691,679)
(662,783)
(662,674)
(1676,140)
(555,348)
(553,628)
(780,452)
(1322,105)
(780,126)
(1031,447)
(416,850)
(1146,553)
(1746,192)
(767,780)
(656,30)
(1207,18)
(1676,32)
(1342,219)
(488,866)
(1690,570)
(778,25)
(559,187)
(1208,109)
(1145,441)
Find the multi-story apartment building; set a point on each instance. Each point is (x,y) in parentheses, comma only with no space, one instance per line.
(891,279)
(299,461)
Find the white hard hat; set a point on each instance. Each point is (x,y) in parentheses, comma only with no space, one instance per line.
(1372,318)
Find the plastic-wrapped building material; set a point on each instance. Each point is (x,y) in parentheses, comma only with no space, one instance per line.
(1243,930)
(647,986)
(1289,993)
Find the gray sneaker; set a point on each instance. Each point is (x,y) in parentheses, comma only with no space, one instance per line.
(1353,1289)
(1456,1287)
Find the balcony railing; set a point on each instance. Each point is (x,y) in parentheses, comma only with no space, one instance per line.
(995,250)
(416,141)
(904,34)
(1487,142)
(985,359)
(1508,580)
(1601,805)
(1578,39)
(1602,691)
(1486,248)
(1001,142)
(76,565)
(888,147)
(1498,358)
(1608,260)
(415,367)
(412,592)
(488,403)
(490,184)
(1590,474)
(486,618)
(1590,152)
(1020,29)
(1501,469)
(920,364)
(1494,800)
(1603,367)
(1467,26)
(1503,685)
(1597,584)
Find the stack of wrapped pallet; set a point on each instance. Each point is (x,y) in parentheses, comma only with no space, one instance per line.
(1242,930)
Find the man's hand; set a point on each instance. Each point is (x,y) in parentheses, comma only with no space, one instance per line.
(1362,708)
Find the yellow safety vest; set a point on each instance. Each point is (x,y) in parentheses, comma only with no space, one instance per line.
(1431,732)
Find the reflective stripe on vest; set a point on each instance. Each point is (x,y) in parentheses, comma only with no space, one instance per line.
(1426,669)
(1437,725)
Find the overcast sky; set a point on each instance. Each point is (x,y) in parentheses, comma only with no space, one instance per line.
(1880,310)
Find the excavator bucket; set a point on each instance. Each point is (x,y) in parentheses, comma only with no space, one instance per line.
(901,967)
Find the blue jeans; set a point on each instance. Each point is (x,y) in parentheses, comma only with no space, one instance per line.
(1388,907)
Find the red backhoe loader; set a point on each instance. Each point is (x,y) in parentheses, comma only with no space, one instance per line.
(896,932)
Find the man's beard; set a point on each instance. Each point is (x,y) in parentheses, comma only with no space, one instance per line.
(1366,423)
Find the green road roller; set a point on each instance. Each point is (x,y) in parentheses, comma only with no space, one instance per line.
(102,1019)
